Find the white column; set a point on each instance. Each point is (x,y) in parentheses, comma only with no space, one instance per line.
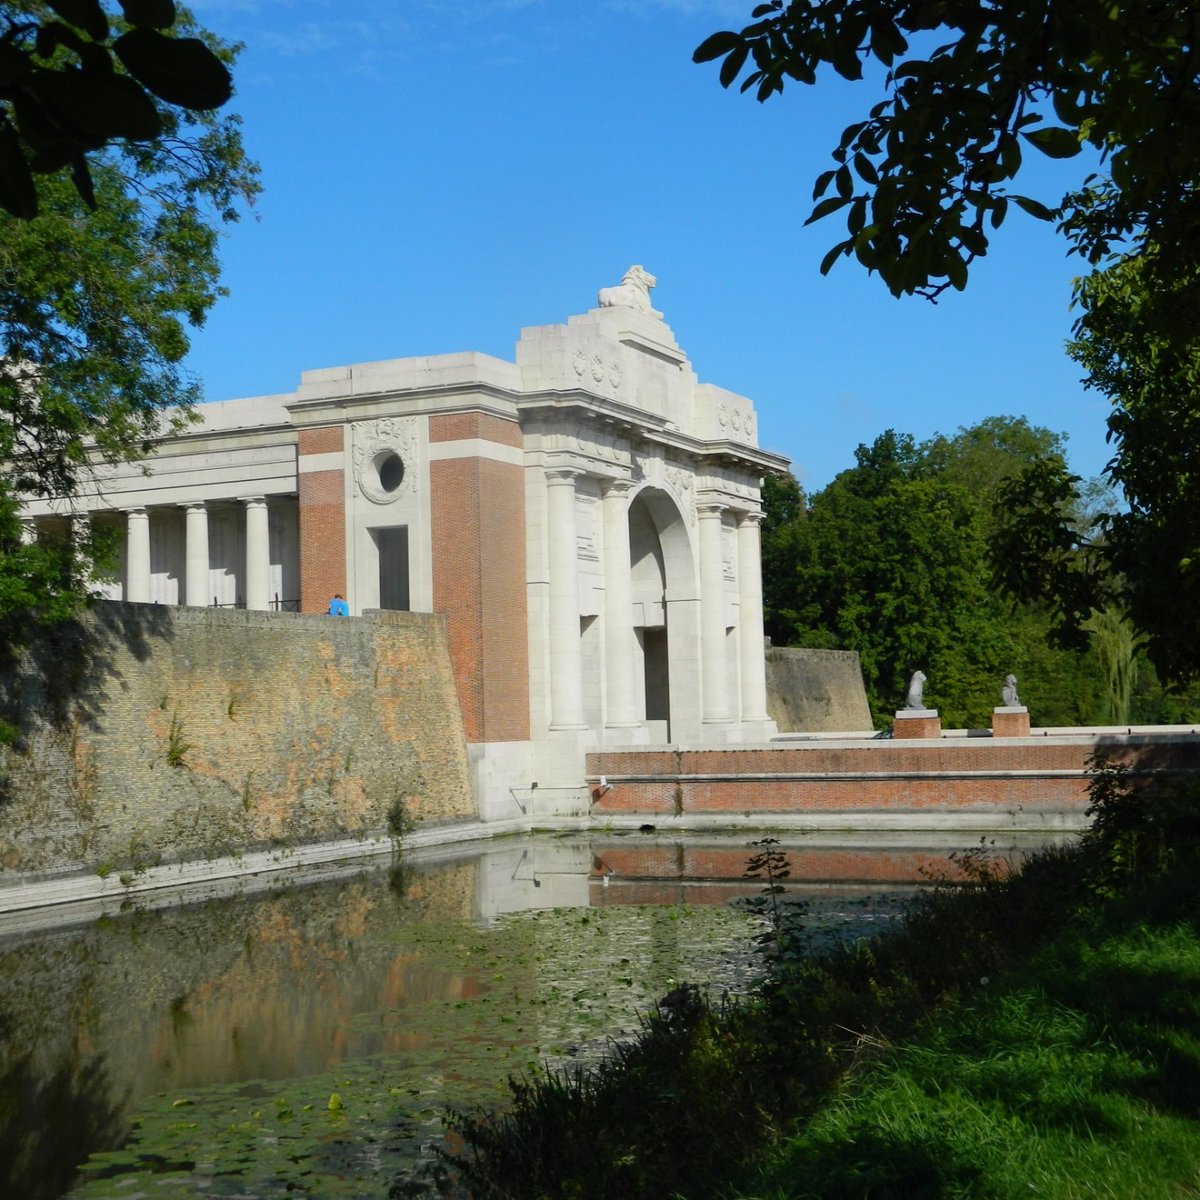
(258,555)
(137,556)
(714,680)
(620,642)
(750,618)
(195,566)
(566,658)
(29,532)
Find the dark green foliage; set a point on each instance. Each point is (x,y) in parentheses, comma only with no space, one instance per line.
(1139,823)
(63,97)
(94,307)
(784,506)
(890,560)
(917,557)
(927,175)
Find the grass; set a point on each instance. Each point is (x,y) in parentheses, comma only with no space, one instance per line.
(1031,1033)
(1077,1076)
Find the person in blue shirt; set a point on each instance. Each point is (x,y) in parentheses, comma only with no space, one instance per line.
(338,607)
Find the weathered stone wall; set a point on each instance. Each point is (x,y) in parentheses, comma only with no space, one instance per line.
(816,691)
(146,734)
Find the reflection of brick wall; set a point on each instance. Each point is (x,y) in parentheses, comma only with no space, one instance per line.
(286,728)
(824,864)
(478,544)
(1030,776)
(322,503)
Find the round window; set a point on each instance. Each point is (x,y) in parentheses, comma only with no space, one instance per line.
(390,468)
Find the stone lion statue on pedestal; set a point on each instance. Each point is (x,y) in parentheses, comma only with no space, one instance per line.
(632,292)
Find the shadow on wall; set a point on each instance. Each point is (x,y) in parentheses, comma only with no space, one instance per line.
(61,673)
(816,691)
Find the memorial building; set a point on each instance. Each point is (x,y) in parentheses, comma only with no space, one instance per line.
(585,517)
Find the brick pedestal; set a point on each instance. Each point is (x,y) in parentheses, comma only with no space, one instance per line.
(917,723)
(1010,721)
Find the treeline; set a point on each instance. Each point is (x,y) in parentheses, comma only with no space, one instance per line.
(892,559)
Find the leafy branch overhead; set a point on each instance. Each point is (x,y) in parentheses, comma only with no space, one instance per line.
(73,79)
(117,171)
(969,86)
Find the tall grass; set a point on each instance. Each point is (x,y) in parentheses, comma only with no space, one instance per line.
(1020,1033)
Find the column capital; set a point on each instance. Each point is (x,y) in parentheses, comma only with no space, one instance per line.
(748,517)
(562,474)
(254,501)
(710,508)
(617,487)
(138,510)
(194,505)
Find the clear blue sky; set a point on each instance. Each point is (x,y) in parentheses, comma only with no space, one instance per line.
(438,175)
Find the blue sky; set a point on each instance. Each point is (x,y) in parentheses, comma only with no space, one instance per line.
(438,175)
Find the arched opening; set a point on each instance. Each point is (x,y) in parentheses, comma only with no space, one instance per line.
(664,611)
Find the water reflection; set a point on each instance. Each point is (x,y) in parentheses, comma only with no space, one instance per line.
(305,1038)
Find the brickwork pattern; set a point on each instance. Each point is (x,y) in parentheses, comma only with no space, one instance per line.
(478,537)
(454,427)
(322,514)
(328,440)
(322,539)
(954,775)
(1010,724)
(916,727)
(189,733)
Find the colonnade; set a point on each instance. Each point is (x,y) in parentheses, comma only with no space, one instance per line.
(256,577)
(623,709)
(136,585)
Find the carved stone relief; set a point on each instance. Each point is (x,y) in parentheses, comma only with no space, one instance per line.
(736,421)
(602,445)
(596,367)
(385,458)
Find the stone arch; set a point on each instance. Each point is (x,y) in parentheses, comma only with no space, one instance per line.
(666,612)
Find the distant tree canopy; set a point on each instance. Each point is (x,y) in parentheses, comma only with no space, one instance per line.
(966,88)
(892,560)
(98,288)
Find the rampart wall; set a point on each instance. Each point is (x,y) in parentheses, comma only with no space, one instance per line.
(146,734)
(816,691)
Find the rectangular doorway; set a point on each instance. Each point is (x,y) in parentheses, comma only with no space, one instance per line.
(392,547)
(658,680)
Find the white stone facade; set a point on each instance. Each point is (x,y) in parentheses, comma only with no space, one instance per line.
(587,517)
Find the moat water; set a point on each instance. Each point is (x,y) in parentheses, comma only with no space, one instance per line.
(308,1038)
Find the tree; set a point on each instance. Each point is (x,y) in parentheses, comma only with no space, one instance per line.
(889,563)
(63,96)
(891,560)
(96,292)
(784,507)
(969,85)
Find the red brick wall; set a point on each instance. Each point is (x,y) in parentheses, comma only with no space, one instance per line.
(454,427)
(967,774)
(322,502)
(478,535)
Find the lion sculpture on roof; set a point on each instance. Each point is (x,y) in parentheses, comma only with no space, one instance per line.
(632,292)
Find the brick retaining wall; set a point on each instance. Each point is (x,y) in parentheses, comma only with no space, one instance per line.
(1032,782)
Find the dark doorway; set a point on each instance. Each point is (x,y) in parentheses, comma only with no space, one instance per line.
(658,678)
(392,545)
